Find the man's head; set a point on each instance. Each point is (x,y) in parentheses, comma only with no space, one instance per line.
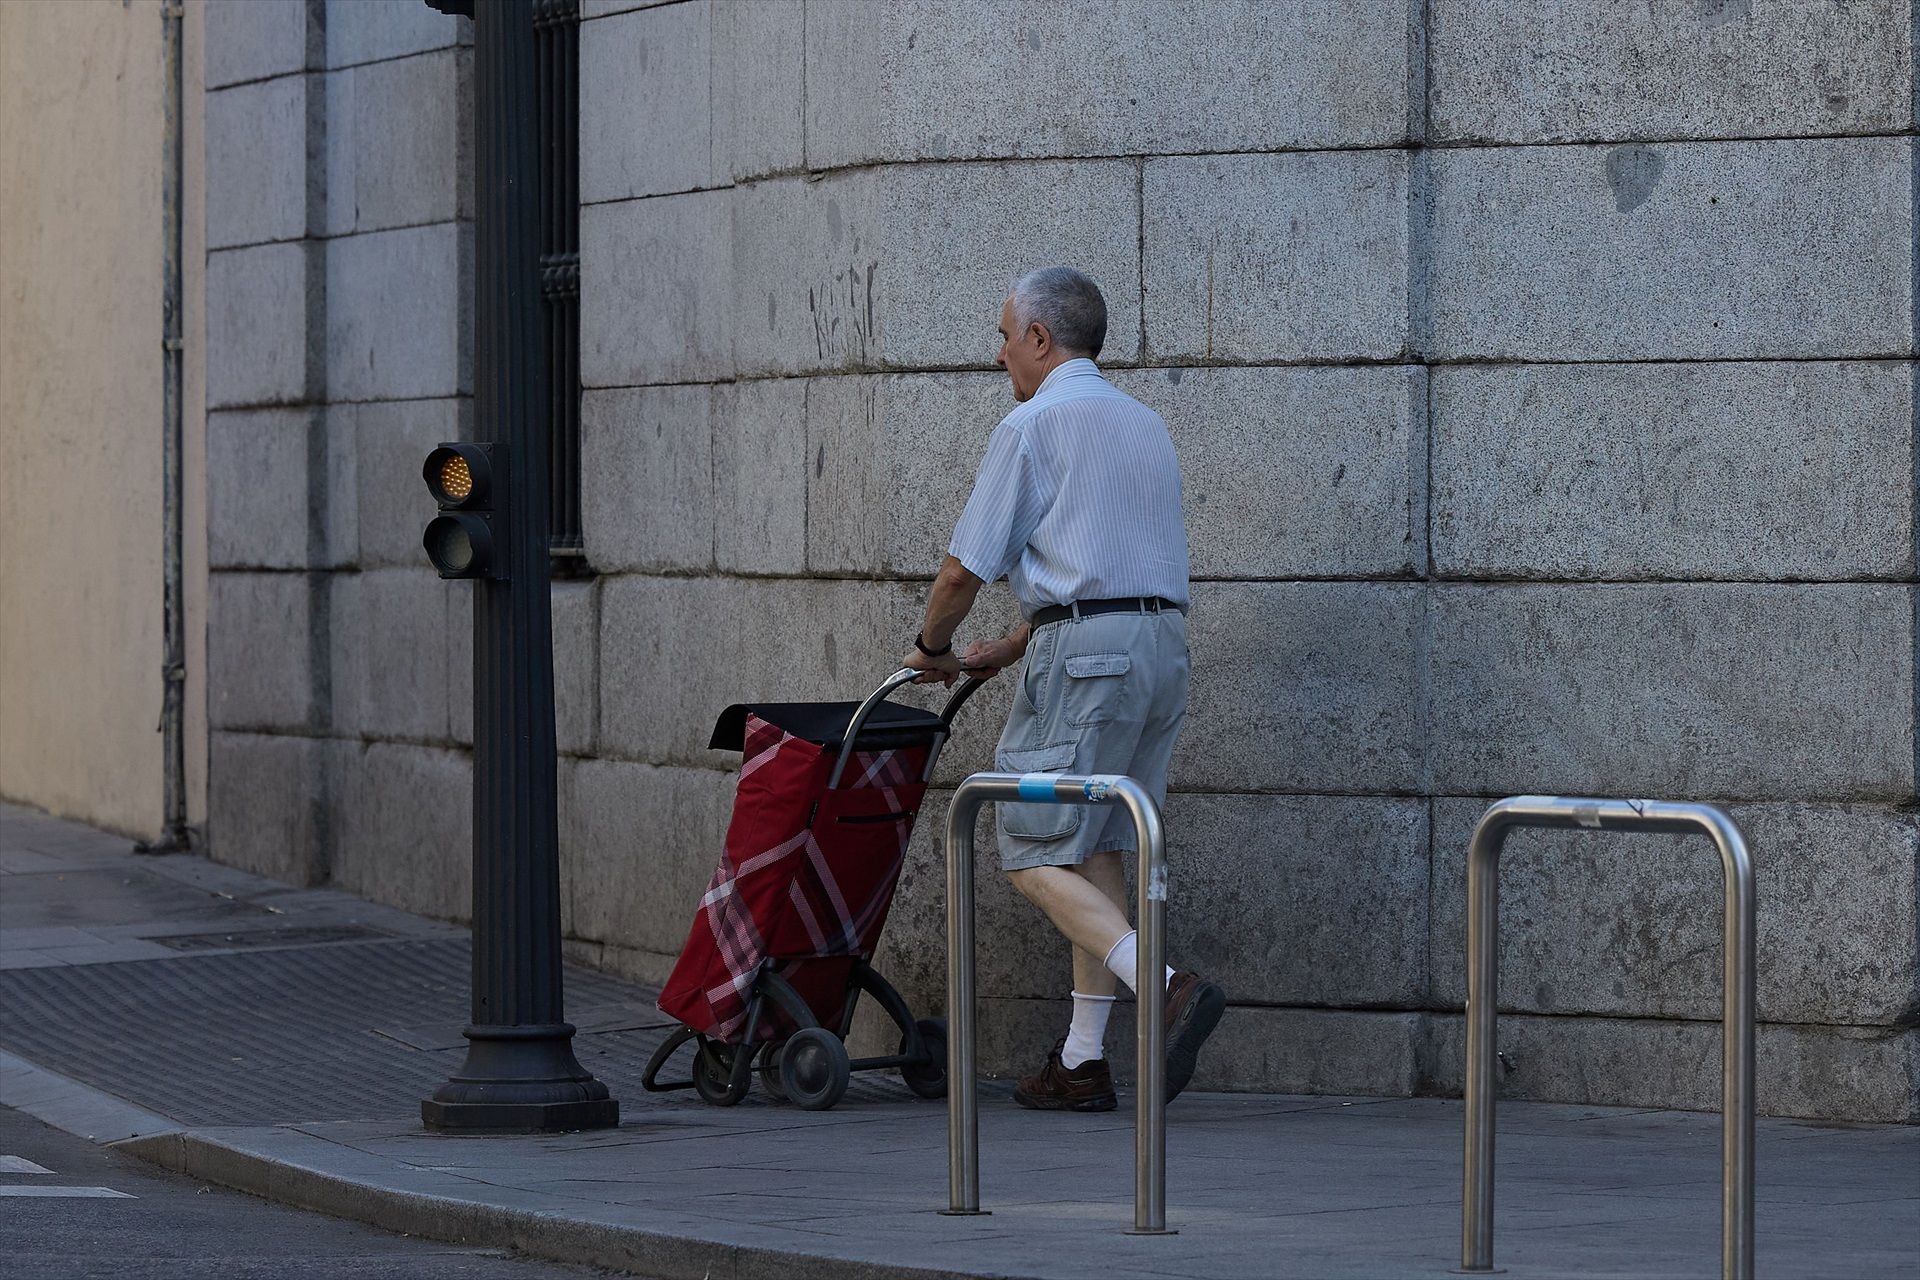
(1052,316)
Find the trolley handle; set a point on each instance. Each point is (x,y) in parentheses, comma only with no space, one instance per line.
(968,686)
(904,676)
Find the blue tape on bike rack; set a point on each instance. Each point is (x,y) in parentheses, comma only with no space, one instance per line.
(1036,786)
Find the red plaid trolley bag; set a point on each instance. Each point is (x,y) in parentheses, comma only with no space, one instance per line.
(780,949)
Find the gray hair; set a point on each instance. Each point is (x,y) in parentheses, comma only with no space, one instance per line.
(1067,303)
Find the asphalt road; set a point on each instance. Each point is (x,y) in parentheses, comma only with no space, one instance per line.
(95,1212)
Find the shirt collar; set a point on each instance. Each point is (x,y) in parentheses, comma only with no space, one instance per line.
(1078,367)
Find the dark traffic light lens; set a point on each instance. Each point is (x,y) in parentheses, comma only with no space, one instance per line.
(455,480)
(450,543)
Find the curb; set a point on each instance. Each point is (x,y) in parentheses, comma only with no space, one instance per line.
(73,1107)
(655,1254)
(87,1112)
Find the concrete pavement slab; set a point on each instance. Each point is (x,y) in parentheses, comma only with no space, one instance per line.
(291,1066)
(1314,1189)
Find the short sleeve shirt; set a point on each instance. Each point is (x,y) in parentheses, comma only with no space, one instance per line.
(1078,498)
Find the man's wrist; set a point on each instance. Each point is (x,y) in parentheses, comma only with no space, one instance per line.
(929,651)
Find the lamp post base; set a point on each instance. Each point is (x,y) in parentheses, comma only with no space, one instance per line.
(521,1117)
(520,1080)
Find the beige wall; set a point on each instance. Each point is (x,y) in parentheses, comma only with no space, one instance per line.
(81,96)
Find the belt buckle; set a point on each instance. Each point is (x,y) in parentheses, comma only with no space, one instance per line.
(1150,604)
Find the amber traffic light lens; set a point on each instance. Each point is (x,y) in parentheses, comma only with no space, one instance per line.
(460,475)
(455,480)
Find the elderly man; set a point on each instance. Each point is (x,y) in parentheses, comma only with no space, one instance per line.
(1078,504)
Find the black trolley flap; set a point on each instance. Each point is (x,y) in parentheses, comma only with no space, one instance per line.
(889,726)
(879,725)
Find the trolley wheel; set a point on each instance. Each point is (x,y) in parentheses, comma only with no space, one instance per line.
(768,1067)
(928,1079)
(713,1074)
(814,1068)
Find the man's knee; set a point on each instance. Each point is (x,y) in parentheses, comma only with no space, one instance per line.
(1099,866)
(1033,882)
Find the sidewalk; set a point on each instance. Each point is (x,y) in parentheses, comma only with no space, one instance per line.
(279,1041)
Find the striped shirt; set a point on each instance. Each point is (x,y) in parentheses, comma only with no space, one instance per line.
(1078,498)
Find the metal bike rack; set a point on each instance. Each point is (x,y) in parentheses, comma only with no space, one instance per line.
(1150,1034)
(1483,951)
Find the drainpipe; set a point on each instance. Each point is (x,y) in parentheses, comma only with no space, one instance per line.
(177,836)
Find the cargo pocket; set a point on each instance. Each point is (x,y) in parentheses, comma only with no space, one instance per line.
(1034,668)
(1096,690)
(1040,821)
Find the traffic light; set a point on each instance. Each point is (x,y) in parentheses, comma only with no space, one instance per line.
(461,541)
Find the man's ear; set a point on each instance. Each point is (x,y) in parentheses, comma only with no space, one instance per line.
(1042,340)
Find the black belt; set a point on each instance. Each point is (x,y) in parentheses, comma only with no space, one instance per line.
(1090,608)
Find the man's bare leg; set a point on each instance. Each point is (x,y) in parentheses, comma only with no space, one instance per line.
(1080,908)
(1087,904)
(1107,873)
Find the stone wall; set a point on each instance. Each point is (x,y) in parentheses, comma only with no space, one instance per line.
(338,277)
(1543,387)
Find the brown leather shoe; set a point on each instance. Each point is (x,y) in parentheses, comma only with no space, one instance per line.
(1193,1010)
(1087,1087)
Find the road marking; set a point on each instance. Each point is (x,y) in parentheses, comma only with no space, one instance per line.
(20,1164)
(84,1193)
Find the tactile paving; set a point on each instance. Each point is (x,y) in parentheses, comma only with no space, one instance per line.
(296,1034)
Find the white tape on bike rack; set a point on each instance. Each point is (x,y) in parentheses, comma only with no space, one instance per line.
(1157,884)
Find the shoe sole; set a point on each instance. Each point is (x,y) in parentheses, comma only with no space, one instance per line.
(1032,1103)
(1189,1032)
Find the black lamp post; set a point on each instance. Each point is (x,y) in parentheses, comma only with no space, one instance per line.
(520,1073)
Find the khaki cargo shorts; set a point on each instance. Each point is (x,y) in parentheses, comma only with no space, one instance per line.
(1104,694)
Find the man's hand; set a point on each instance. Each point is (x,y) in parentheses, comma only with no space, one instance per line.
(985,659)
(945,668)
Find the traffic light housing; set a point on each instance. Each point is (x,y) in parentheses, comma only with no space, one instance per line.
(467,539)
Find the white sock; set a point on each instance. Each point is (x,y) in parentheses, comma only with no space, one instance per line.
(1124,960)
(1087,1037)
